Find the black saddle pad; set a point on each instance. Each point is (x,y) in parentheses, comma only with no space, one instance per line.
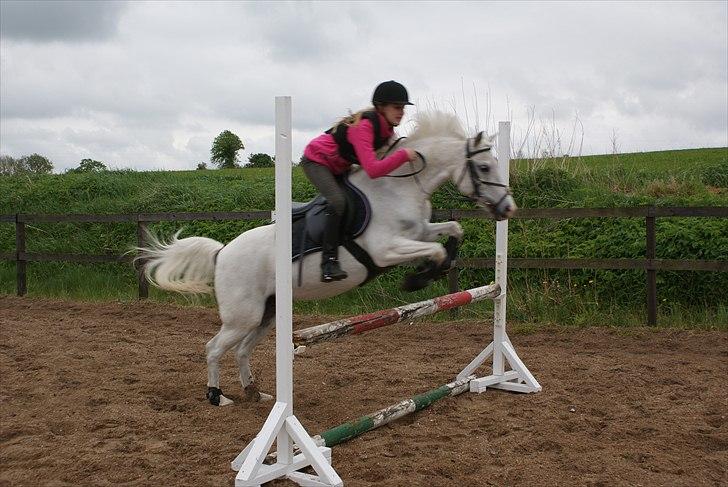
(309,220)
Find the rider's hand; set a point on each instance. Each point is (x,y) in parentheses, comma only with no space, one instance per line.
(411,154)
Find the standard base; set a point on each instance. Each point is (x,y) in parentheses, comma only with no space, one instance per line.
(519,379)
(285,427)
(266,473)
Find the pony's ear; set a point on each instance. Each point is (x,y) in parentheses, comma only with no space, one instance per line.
(478,138)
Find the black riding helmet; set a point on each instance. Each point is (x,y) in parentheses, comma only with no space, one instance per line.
(390,92)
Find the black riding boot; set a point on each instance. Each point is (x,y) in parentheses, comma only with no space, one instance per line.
(330,270)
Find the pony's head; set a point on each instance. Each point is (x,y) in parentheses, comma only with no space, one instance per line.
(480,180)
(472,167)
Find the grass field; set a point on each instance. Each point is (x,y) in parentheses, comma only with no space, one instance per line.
(695,177)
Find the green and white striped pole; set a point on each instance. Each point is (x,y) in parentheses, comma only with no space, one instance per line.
(352,429)
(346,431)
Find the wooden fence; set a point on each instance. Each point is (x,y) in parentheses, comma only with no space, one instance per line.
(649,263)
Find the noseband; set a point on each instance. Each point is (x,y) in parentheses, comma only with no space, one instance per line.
(478,183)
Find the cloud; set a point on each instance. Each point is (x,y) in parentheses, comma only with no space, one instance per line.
(160,80)
(59,20)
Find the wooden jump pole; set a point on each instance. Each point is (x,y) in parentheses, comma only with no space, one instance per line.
(366,322)
(351,429)
(346,431)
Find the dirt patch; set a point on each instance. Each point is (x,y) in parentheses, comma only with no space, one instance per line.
(101,394)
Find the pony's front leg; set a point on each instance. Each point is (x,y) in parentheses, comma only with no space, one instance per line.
(401,250)
(438,258)
(433,231)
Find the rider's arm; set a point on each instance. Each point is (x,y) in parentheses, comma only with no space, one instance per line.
(361,137)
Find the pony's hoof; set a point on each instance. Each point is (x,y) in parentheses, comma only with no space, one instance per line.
(253,394)
(425,274)
(214,395)
(224,401)
(415,283)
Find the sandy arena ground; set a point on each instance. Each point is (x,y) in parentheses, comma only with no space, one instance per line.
(102,394)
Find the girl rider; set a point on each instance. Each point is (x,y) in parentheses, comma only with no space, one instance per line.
(353,140)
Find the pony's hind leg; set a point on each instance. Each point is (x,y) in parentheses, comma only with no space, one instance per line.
(246,347)
(234,330)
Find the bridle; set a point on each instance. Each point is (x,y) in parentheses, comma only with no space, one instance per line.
(477,195)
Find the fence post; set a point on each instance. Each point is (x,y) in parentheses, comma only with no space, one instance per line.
(141,277)
(453,281)
(651,272)
(20,263)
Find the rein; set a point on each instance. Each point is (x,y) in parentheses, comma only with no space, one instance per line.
(415,173)
(424,162)
(412,174)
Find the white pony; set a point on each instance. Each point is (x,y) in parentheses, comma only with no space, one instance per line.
(399,231)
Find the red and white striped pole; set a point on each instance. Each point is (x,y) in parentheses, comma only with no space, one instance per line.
(363,323)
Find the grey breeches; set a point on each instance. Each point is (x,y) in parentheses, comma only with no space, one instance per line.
(323,179)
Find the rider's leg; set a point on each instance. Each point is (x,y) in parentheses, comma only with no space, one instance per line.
(322,178)
(330,269)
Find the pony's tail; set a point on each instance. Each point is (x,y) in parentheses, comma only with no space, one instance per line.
(186,265)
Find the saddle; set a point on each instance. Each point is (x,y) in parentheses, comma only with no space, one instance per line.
(309,221)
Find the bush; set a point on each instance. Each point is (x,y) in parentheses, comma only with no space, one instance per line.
(543,186)
(541,291)
(260,160)
(716,176)
(89,165)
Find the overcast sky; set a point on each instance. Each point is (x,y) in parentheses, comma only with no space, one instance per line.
(148,85)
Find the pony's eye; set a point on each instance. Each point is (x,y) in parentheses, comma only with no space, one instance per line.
(484,167)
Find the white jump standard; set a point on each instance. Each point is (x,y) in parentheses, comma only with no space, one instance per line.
(282,425)
(519,378)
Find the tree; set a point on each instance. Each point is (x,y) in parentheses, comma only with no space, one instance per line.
(9,166)
(225,149)
(37,164)
(201,166)
(89,165)
(34,163)
(260,160)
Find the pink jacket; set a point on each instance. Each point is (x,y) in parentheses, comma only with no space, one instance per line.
(323,150)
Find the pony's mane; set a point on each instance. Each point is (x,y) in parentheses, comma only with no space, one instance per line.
(432,123)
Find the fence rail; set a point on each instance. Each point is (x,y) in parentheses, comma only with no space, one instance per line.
(649,264)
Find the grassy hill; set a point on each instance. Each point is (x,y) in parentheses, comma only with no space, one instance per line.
(695,177)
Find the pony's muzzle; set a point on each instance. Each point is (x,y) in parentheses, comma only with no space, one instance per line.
(506,208)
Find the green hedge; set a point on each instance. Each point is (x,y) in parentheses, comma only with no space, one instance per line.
(674,178)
